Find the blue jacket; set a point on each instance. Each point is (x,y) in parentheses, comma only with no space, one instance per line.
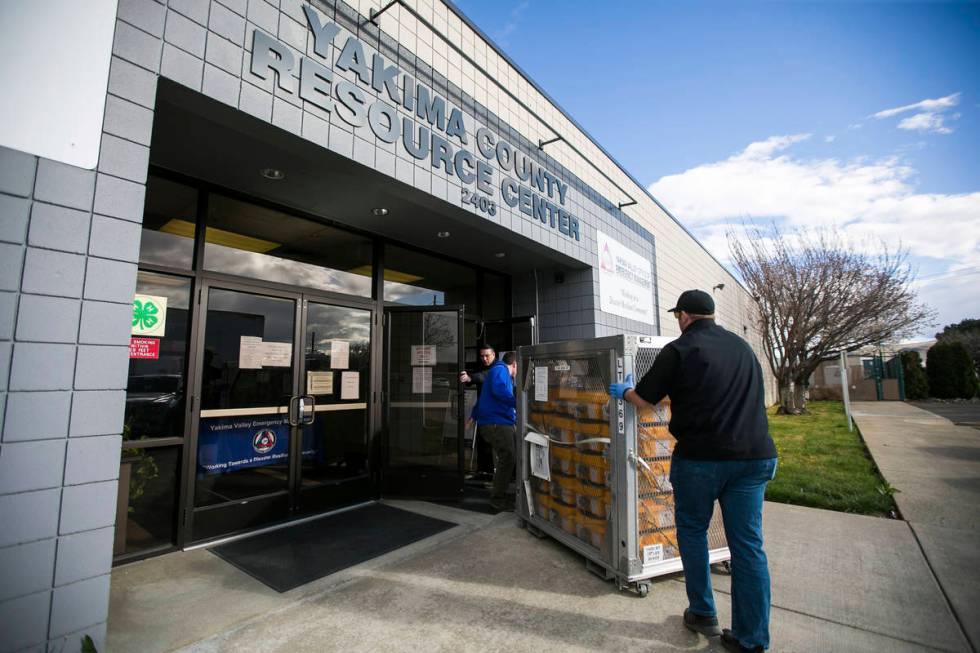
(496,403)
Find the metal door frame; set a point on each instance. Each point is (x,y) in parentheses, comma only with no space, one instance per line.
(460,310)
(301,299)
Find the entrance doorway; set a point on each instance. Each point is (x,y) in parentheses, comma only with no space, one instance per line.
(423,409)
(281,416)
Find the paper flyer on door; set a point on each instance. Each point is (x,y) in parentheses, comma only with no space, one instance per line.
(339,354)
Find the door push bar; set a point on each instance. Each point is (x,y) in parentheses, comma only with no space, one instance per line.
(302,410)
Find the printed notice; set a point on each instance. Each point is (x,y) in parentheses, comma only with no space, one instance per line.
(653,553)
(538,455)
(421,380)
(144,348)
(339,354)
(350,383)
(250,353)
(277,354)
(423,355)
(541,383)
(319,383)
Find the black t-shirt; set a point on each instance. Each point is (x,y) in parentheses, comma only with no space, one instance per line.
(717,397)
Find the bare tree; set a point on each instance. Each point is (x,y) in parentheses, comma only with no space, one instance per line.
(818,294)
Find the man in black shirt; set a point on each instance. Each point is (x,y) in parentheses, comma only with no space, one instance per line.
(724,453)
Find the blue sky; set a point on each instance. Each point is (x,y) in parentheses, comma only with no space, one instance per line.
(860,116)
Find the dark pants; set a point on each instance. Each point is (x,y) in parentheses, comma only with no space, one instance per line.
(501,438)
(739,487)
(484,454)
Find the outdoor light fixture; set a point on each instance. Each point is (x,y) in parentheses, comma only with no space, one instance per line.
(500,254)
(380,211)
(272,173)
(443,234)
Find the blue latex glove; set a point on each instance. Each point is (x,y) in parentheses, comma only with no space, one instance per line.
(617,390)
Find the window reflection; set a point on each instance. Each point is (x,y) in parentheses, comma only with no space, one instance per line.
(155,391)
(169,216)
(421,280)
(252,241)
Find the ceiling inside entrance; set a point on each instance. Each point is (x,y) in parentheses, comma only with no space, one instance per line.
(202,138)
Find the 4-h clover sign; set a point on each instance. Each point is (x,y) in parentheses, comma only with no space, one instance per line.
(149,315)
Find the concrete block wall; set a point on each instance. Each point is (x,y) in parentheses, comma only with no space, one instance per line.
(69,242)
(66,305)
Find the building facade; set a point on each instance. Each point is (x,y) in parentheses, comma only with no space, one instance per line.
(304,219)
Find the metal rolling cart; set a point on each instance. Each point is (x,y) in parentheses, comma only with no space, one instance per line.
(594,474)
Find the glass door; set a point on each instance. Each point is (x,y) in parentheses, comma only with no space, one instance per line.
(423,408)
(248,396)
(333,461)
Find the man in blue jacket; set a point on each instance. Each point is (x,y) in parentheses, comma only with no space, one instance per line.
(496,415)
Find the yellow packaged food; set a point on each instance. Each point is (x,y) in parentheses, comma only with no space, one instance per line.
(542,505)
(654,442)
(656,478)
(564,517)
(659,414)
(592,530)
(595,500)
(594,468)
(593,429)
(655,513)
(564,489)
(596,412)
(564,460)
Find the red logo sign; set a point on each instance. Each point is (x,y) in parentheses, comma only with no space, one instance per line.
(144,348)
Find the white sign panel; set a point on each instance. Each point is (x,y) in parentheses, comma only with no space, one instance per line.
(277,354)
(149,315)
(250,353)
(350,383)
(538,455)
(541,383)
(423,355)
(625,281)
(422,380)
(54,72)
(339,354)
(319,383)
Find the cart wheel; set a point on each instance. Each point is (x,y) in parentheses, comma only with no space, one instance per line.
(643,589)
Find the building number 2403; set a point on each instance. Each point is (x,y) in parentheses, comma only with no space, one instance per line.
(480,202)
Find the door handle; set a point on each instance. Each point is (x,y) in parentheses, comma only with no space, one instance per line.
(292,415)
(306,402)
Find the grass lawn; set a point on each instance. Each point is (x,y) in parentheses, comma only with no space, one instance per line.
(823,465)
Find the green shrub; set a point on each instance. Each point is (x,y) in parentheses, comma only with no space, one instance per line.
(916,381)
(950,371)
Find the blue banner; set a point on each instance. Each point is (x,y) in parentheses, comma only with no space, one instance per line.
(226,444)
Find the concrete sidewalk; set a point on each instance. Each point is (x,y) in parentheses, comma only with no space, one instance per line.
(840,583)
(935,466)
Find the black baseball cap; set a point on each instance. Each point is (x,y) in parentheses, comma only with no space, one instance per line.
(695,302)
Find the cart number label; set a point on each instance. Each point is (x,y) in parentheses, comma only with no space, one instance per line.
(653,553)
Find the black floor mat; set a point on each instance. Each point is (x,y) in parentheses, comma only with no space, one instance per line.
(296,555)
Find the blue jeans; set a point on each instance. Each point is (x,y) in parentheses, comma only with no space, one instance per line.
(739,487)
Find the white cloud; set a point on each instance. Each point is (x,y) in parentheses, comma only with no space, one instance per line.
(866,200)
(931,114)
(830,138)
(929,106)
